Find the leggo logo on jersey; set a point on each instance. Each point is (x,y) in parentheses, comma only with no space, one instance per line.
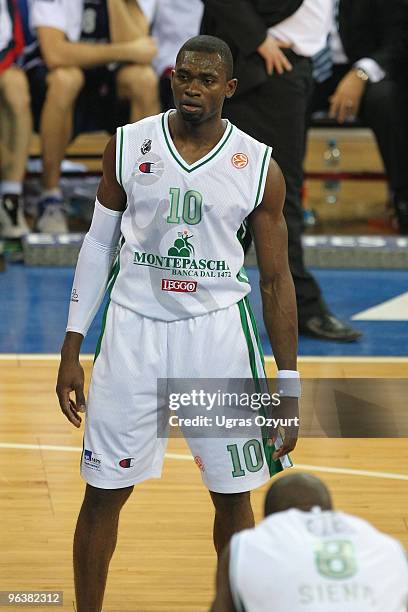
(239,160)
(179,286)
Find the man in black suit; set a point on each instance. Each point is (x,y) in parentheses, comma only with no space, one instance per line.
(272,42)
(365,45)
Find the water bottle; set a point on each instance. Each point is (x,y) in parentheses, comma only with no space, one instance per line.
(332,158)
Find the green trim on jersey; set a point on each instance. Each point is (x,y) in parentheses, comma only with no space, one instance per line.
(256,333)
(111,281)
(247,334)
(242,230)
(248,322)
(262,176)
(120,156)
(175,154)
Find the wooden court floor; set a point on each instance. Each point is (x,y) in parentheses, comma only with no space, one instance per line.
(164,561)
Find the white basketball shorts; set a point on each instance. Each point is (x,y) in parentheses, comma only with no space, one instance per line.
(121,443)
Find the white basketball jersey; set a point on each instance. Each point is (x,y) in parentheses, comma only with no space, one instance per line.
(297,561)
(182,256)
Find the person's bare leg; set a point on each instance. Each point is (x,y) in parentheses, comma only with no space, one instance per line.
(233,513)
(126,21)
(64,85)
(94,543)
(16,124)
(139,85)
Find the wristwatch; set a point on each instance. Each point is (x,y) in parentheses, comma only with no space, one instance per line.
(361,74)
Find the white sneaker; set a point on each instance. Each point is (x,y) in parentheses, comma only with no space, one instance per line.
(12,219)
(53,219)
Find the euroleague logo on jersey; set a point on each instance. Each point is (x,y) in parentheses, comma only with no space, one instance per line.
(239,160)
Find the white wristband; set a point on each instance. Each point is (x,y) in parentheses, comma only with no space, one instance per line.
(289,383)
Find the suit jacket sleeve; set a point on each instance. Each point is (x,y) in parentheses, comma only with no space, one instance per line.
(385,53)
(370,29)
(240,21)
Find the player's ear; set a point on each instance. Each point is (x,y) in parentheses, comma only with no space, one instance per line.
(231,87)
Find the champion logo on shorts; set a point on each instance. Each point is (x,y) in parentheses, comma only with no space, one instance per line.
(199,462)
(239,160)
(127,463)
(180,286)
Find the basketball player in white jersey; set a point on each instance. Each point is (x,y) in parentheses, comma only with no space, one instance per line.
(179,188)
(304,556)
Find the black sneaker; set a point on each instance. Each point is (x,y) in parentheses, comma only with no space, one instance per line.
(12,220)
(329,327)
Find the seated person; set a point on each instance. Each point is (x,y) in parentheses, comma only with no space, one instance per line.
(76,85)
(306,556)
(172,22)
(359,83)
(15,123)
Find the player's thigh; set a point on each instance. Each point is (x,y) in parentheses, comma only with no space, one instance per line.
(222,357)
(222,344)
(121,442)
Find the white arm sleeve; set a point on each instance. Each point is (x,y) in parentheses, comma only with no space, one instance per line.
(94,264)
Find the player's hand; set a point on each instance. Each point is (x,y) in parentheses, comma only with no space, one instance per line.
(288,413)
(71,378)
(142,50)
(345,102)
(270,51)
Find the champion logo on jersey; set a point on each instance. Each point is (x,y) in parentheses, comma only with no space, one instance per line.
(239,160)
(127,463)
(147,167)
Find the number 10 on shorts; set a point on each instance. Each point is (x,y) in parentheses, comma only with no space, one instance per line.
(251,456)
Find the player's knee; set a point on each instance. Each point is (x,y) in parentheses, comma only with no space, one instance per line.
(16,92)
(64,84)
(137,81)
(230,502)
(105,500)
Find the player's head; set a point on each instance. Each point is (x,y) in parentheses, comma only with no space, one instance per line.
(202,78)
(298,490)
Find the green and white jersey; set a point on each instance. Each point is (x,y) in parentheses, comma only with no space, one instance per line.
(183,225)
(317,561)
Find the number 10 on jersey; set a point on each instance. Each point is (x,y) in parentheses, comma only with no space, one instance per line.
(191,207)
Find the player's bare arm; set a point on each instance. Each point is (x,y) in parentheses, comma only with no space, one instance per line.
(58,52)
(269,231)
(127,21)
(71,375)
(223,601)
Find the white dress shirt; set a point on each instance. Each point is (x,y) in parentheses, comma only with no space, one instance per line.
(373,70)
(65,15)
(307,29)
(6,27)
(173,22)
